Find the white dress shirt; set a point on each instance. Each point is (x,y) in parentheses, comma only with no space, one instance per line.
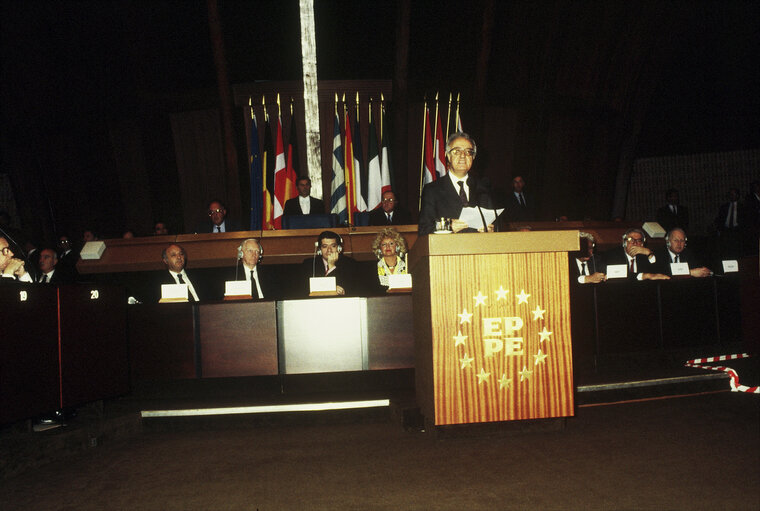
(190,287)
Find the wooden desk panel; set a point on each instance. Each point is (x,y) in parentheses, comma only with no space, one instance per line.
(628,316)
(28,351)
(390,338)
(93,326)
(161,341)
(238,339)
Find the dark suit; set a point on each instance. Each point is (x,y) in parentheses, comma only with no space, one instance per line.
(594,264)
(59,277)
(516,212)
(618,256)
(345,274)
(209,226)
(292,207)
(664,260)
(440,199)
(669,220)
(164,277)
(378,217)
(267,281)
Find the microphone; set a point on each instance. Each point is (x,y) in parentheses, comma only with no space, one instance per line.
(314,260)
(237,268)
(483,219)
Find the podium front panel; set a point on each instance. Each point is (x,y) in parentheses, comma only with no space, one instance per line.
(501,337)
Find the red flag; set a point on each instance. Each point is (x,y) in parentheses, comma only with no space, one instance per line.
(440,148)
(280,179)
(429,174)
(349,163)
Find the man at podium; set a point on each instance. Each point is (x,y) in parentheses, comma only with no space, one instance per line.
(446,196)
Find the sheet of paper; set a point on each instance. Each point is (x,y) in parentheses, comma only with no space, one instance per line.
(473,218)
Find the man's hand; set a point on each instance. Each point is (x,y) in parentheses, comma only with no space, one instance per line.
(490,228)
(700,272)
(636,250)
(340,290)
(332,258)
(654,276)
(595,278)
(457,224)
(15,267)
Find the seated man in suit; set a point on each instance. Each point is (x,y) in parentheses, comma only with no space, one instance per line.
(11,268)
(672,214)
(175,259)
(520,207)
(675,251)
(329,261)
(67,258)
(445,197)
(389,213)
(304,204)
(49,273)
(639,260)
(584,265)
(217,213)
(251,252)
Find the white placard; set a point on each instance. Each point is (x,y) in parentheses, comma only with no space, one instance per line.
(322,285)
(679,268)
(237,288)
(400,281)
(173,292)
(617,271)
(730,266)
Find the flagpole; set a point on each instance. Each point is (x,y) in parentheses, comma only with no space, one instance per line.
(382,111)
(448,118)
(457,116)
(422,153)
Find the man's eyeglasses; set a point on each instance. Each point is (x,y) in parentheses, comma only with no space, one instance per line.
(212,211)
(6,250)
(389,200)
(635,241)
(469,153)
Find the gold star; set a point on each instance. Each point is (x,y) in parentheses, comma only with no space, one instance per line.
(525,374)
(459,338)
(538,313)
(501,293)
(505,382)
(465,317)
(544,335)
(483,376)
(466,361)
(540,357)
(522,297)
(480,299)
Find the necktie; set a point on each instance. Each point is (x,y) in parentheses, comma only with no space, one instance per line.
(462,194)
(389,218)
(675,260)
(522,200)
(44,279)
(180,279)
(254,291)
(632,269)
(218,229)
(583,270)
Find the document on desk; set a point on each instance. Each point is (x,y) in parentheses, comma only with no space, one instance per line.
(473,218)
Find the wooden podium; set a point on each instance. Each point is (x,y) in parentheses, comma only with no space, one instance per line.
(492,326)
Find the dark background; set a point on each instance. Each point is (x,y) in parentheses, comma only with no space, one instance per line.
(574,91)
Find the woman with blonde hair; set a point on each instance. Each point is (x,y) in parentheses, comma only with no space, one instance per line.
(390,248)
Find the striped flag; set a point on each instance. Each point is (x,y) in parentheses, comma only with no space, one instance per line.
(385,158)
(428,170)
(280,178)
(254,160)
(360,172)
(374,178)
(338,186)
(292,166)
(348,161)
(439,148)
(267,218)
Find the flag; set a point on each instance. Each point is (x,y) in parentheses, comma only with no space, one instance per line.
(348,161)
(428,169)
(256,177)
(439,148)
(279,178)
(374,179)
(338,186)
(293,165)
(385,160)
(360,171)
(267,218)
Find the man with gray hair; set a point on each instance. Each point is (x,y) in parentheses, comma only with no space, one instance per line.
(640,260)
(446,196)
(250,252)
(675,251)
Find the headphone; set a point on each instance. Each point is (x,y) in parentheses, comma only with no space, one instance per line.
(667,238)
(329,235)
(240,249)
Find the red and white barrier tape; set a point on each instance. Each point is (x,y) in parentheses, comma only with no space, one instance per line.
(734,377)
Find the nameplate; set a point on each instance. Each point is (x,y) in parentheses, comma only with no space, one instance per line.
(617,271)
(730,266)
(173,293)
(322,286)
(679,269)
(237,288)
(92,250)
(400,281)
